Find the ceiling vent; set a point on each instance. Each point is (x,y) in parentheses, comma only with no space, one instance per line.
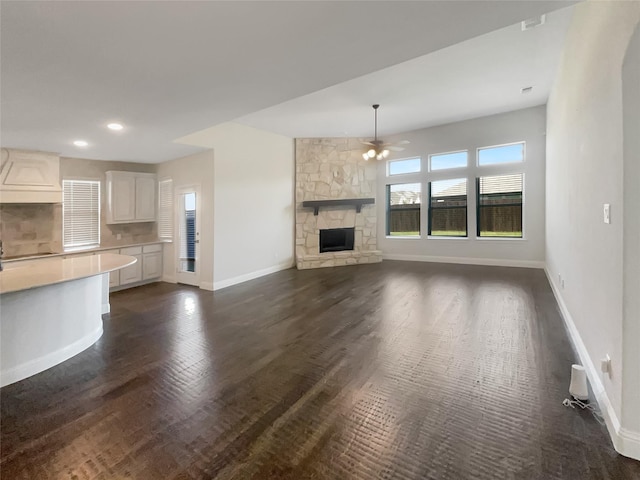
(533,22)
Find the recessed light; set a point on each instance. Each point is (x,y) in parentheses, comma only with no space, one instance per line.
(526,89)
(80,143)
(115,126)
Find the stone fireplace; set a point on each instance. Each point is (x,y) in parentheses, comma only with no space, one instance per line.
(333,169)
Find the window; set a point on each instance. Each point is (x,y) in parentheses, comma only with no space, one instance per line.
(165,209)
(500,206)
(403,209)
(80,213)
(444,161)
(502,154)
(400,167)
(448,208)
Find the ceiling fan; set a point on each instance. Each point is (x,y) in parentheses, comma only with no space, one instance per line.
(379,149)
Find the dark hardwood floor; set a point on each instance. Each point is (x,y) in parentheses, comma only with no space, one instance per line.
(390,371)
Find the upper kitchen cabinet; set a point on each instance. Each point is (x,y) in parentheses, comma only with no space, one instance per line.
(29,177)
(131,197)
(146,197)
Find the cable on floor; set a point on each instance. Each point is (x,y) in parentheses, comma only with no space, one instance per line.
(573,403)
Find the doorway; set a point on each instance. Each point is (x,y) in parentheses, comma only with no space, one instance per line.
(188,251)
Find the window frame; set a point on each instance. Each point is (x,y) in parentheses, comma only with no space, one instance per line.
(522,207)
(388,211)
(82,246)
(389,162)
(497,165)
(450,169)
(471,172)
(430,210)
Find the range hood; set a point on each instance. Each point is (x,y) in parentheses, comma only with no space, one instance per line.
(28,176)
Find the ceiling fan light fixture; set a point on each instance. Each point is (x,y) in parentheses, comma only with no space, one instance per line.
(379,150)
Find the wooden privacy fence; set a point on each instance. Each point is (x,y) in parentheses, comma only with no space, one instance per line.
(503,218)
(450,219)
(404,218)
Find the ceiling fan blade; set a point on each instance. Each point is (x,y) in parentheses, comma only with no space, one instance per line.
(395,148)
(368,143)
(403,142)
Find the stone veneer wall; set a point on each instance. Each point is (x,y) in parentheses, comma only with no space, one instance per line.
(30,228)
(327,169)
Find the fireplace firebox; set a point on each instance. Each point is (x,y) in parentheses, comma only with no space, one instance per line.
(336,239)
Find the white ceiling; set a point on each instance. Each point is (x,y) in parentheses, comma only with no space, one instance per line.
(167,69)
(474,78)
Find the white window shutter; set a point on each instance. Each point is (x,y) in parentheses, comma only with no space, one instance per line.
(165,209)
(80,213)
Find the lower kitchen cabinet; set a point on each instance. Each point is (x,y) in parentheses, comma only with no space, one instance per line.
(151,261)
(147,268)
(132,273)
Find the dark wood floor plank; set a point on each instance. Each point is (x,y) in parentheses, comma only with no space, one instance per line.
(390,371)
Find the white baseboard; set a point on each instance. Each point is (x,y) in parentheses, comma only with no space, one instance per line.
(497,262)
(106,308)
(207,286)
(250,276)
(625,442)
(45,362)
(169,279)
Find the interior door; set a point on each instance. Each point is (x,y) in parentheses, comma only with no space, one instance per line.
(188,248)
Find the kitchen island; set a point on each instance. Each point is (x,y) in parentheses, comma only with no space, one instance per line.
(51,310)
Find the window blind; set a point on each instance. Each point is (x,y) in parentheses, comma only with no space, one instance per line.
(165,209)
(80,213)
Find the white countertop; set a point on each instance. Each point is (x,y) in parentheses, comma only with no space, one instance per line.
(81,251)
(18,277)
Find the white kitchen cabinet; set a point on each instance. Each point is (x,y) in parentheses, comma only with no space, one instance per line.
(146,198)
(132,273)
(131,197)
(121,195)
(151,261)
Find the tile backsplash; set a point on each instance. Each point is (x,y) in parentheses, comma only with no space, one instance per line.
(30,228)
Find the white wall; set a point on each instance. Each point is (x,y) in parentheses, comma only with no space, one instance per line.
(527,125)
(631,252)
(584,171)
(253,201)
(187,171)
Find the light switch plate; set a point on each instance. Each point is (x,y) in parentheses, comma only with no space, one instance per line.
(607,213)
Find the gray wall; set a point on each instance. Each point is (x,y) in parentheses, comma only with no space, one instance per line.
(631,252)
(522,125)
(585,169)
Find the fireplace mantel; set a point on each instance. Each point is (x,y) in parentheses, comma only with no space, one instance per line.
(356,202)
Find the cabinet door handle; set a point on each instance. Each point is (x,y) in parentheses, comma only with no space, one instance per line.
(197,241)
